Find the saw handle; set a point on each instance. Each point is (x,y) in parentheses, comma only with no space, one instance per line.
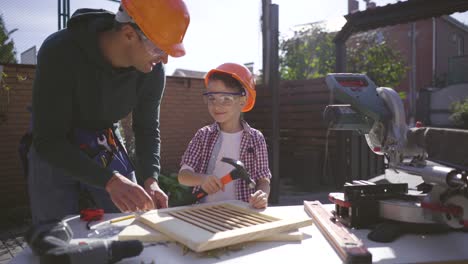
(224,180)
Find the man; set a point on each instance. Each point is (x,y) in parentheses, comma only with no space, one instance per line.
(89,76)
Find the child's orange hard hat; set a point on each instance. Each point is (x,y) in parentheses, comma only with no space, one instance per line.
(243,75)
(164,22)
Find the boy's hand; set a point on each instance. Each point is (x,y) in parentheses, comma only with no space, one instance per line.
(159,197)
(259,199)
(211,184)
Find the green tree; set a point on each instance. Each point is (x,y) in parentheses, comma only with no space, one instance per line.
(377,59)
(310,53)
(7,46)
(7,55)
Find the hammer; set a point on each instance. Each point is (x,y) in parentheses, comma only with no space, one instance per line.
(238,172)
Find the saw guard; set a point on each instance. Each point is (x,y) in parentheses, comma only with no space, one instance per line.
(389,137)
(398,128)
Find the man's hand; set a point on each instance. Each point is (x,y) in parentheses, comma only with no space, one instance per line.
(127,195)
(259,199)
(160,199)
(211,184)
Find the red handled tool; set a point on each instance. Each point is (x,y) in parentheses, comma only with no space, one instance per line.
(90,214)
(239,172)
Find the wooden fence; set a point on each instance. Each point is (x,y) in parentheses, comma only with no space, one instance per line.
(15,97)
(310,154)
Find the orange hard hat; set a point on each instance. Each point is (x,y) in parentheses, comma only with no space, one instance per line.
(164,22)
(243,75)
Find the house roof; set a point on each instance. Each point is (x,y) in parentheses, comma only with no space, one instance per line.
(189,73)
(456,23)
(399,13)
(329,25)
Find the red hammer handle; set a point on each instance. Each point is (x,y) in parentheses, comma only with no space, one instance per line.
(225,180)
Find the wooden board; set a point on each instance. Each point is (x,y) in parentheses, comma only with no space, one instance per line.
(207,226)
(348,246)
(144,233)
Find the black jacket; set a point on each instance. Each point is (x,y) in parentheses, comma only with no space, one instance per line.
(75,87)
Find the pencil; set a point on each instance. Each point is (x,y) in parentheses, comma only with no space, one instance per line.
(123,218)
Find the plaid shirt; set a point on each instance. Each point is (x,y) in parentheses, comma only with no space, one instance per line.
(253,153)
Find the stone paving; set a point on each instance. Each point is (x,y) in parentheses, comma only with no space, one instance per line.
(11,243)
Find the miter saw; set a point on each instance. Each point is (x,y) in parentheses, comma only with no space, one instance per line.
(378,113)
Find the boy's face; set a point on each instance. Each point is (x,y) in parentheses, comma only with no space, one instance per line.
(224,103)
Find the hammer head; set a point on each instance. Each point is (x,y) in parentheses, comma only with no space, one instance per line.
(239,171)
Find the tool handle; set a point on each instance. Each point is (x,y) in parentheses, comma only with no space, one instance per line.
(91,214)
(200,194)
(225,180)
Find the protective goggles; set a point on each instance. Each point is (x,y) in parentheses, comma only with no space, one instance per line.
(150,47)
(221,98)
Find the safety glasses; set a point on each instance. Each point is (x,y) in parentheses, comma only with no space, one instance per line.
(221,98)
(150,47)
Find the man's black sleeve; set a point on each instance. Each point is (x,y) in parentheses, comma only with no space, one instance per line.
(146,125)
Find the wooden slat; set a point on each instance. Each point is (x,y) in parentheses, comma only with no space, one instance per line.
(285,109)
(300,132)
(255,217)
(219,217)
(194,222)
(294,124)
(226,217)
(294,100)
(310,121)
(206,219)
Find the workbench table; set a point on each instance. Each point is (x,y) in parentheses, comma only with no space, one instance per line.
(314,248)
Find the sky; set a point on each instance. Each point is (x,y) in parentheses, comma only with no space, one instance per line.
(220,30)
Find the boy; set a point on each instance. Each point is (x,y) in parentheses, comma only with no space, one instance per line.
(230,91)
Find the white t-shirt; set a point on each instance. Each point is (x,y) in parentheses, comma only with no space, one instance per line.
(230,148)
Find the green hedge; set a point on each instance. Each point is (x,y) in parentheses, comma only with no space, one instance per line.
(460,113)
(178,194)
